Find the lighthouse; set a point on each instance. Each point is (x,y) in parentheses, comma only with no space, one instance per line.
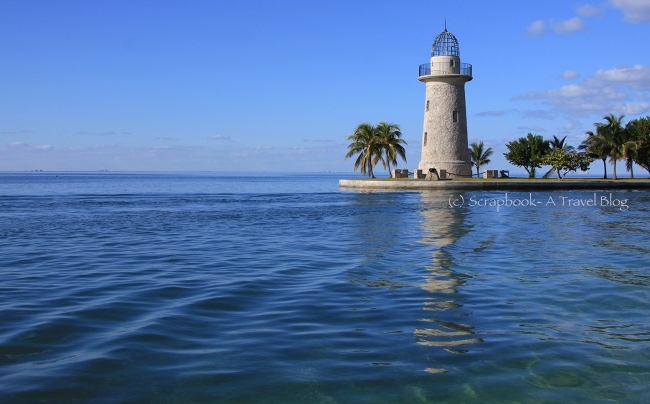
(444,137)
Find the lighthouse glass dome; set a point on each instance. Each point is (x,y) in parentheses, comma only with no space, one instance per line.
(445,44)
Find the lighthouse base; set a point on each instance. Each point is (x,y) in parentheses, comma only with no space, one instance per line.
(454,169)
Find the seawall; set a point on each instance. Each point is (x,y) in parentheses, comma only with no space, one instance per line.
(496,184)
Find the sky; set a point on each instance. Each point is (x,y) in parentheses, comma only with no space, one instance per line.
(255,85)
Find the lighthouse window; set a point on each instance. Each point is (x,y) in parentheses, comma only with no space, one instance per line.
(451,63)
(455,116)
(427,105)
(425,138)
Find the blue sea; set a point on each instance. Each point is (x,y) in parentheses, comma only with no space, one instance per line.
(283,288)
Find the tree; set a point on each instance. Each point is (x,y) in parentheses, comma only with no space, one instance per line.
(374,144)
(557,144)
(479,156)
(527,152)
(563,161)
(628,153)
(597,146)
(391,144)
(367,143)
(560,144)
(639,132)
(616,139)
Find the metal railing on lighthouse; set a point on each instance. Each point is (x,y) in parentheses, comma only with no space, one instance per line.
(429,69)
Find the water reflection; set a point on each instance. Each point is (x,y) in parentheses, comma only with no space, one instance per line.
(443,226)
(380,218)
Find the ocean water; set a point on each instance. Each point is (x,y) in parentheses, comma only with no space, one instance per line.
(276,288)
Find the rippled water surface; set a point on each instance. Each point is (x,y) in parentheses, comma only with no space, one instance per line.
(285,288)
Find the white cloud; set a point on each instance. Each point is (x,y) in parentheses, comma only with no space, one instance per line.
(219,137)
(569,26)
(19,132)
(635,109)
(536,28)
(570,75)
(571,128)
(26,146)
(539,27)
(634,11)
(588,10)
(530,129)
(491,113)
(619,90)
(538,114)
(96,133)
(637,76)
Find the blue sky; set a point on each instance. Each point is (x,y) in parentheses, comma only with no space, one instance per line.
(277,85)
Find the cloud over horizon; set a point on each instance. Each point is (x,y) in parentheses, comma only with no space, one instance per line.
(491,113)
(27,146)
(114,157)
(619,90)
(87,133)
(17,132)
(530,129)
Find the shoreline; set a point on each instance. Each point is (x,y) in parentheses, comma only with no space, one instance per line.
(495,184)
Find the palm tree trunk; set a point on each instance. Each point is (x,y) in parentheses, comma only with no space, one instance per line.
(605,167)
(614,165)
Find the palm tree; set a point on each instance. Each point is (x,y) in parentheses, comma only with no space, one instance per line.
(558,144)
(391,143)
(629,154)
(367,143)
(617,138)
(597,146)
(478,156)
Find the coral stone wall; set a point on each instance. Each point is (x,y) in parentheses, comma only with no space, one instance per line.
(446,141)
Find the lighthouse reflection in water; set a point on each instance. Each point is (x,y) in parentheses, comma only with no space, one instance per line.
(452,331)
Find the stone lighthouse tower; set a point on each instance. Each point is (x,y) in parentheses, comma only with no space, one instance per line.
(444,140)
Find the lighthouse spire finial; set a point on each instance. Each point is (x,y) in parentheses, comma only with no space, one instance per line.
(445,24)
